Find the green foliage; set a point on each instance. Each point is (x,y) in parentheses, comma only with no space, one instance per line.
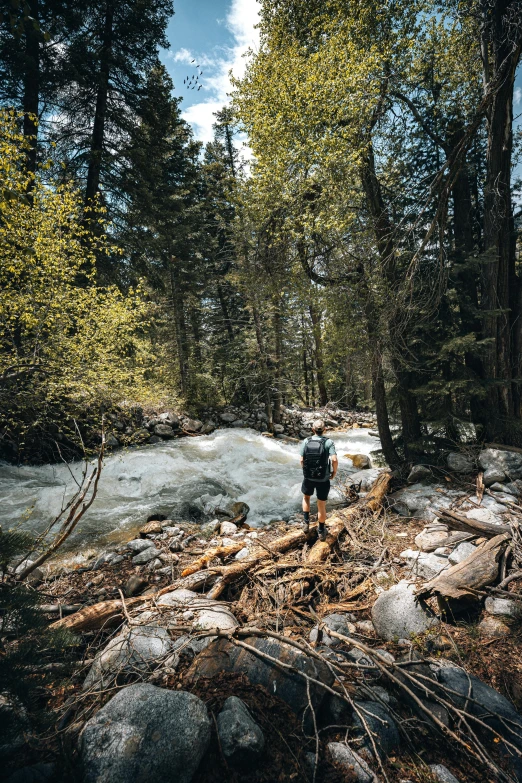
(67,344)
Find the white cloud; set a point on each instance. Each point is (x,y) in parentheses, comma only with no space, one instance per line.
(188,58)
(241,19)
(517,97)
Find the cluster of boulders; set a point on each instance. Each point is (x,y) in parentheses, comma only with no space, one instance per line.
(147,730)
(294,422)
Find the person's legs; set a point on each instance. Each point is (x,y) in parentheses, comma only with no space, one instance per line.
(322,495)
(306,513)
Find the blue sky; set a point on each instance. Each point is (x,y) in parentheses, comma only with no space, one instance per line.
(216,33)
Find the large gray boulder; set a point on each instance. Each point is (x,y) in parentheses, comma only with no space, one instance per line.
(381,725)
(459,463)
(424,564)
(504,462)
(164,431)
(442,774)
(503,607)
(139,649)
(398,613)
(145,733)
(241,739)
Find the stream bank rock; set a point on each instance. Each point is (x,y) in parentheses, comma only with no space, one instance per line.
(354,767)
(145,733)
(224,656)
(241,739)
(135,649)
(397,613)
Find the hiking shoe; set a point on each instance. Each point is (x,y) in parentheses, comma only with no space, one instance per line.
(305,526)
(321,533)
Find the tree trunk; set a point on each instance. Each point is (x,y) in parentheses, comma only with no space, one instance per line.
(319,363)
(501,57)
(224,310)
(278,336)
(100,115)
(264,366)
(181,330)
(381,409)
(31,87)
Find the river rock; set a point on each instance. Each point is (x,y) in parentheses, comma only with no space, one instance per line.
(228,418)
(503,607)
(146,556)
(459,463)
(337,622)
(424,564)
(380,723)
(279,429)
(442,774)
(134,585)
(461,552)
(397,613)
(493,627)
(418,473)
(153,528)
(164,431)
(243,553)
(240,738)
(145,733)
(214,617)
(493,476)
(193,425)
(106,558)
(141,648)
(227,528)
(138,545)
(428,538)
(223,655)
(111,441)
(487,701)
(361,461)
(353,766)
(169,418)
(507,462)
(178,598)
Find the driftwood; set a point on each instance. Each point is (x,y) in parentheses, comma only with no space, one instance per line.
(218,551)
(460,522)
(96,616)
(337,523)
(473,573)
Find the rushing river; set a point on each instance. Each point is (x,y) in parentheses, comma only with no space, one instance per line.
(183,479)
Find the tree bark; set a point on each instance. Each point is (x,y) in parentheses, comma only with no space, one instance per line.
(319,362)
(31,87)
(100,114)
(178,305)
(500,311)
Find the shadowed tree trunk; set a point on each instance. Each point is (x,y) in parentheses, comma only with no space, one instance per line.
(100,115)
(319,363)
(31,86)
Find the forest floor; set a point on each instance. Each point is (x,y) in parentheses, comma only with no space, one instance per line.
(360,567)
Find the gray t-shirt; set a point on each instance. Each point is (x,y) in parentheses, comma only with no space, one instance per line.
(329,446)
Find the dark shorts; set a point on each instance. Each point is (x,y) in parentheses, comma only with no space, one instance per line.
(308,487)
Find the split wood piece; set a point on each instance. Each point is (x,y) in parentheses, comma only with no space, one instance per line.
(460,522)
(345,606)
(93,617)
(218,551)
(337,523)
(476,571)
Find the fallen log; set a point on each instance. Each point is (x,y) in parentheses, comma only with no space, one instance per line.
(460,522)
(341,519)
(475,572)
(96,616)
(218,551)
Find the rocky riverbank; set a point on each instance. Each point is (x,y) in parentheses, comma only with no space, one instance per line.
(155,426)
(264,655)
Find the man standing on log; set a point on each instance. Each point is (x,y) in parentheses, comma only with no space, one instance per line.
(318,469)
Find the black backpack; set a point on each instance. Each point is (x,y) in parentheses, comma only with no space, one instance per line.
(315,460)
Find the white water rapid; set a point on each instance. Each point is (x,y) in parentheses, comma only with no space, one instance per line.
(180,479)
